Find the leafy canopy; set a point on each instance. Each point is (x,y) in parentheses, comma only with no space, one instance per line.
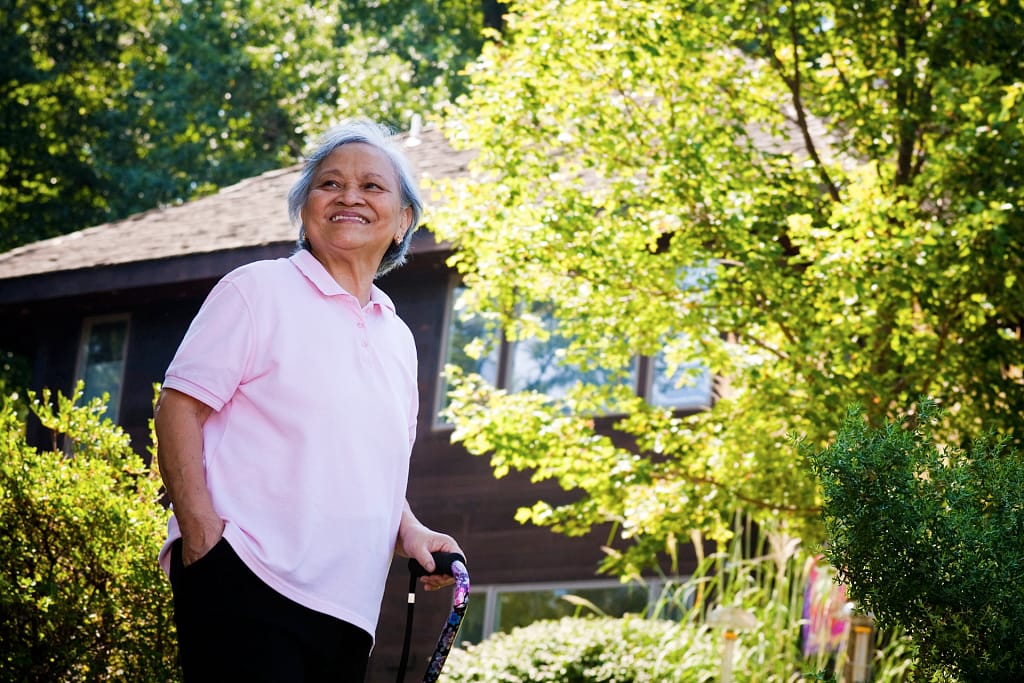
(119,106)
(820,202)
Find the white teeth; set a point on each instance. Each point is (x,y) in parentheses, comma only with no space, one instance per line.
(338,219)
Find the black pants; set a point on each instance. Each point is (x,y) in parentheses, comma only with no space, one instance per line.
(233,627)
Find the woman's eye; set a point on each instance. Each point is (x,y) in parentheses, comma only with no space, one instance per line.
(330,183)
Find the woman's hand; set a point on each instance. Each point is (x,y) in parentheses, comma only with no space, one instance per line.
(200,539)
(416,541)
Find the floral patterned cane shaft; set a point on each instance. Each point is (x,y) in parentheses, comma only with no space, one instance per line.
(451,629)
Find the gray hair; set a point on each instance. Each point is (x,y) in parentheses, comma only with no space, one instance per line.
(382,138)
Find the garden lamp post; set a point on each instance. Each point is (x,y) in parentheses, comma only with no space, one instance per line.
(859,650)
(731,620)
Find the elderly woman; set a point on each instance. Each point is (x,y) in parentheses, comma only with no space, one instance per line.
(285,426)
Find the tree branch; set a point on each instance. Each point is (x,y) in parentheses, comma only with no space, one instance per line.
(793,84)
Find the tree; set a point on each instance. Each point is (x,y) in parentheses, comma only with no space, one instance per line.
(226,92)
(61,75)
(239,86)
(434,39)
(818,202)
(124,105)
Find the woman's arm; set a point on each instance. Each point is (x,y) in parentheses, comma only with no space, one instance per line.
(179,420)
(417,541)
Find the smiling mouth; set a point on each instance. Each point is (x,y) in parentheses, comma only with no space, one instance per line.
(347,218)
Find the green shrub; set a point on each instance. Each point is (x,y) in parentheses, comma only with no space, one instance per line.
(81,594)
(585,650)
(932,540)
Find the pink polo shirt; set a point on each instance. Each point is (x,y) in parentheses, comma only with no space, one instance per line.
(307,452)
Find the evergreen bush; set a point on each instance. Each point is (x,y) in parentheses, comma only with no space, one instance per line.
(81,594)
(931,539)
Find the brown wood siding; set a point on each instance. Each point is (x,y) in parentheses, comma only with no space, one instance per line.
(154,336)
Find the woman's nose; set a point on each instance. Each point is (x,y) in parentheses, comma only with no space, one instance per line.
(350,195)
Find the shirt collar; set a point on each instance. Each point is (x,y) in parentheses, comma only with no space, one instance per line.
(315,272)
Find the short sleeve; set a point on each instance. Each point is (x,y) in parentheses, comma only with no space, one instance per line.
(414,394)
(211,361)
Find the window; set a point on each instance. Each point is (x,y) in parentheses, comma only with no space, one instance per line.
(537,365)
(502,608)
(460,332)
(101,359)
(689,386)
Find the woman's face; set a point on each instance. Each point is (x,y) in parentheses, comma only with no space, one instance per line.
(355,203)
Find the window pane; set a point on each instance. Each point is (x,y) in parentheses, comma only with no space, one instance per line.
(465,330)
(519,608)
(688,387)
(103,361)
(537,365)
(461,333)
(472,629)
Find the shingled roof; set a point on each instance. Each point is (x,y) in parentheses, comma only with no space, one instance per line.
(251,213)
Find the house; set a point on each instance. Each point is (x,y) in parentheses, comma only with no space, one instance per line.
(109,304)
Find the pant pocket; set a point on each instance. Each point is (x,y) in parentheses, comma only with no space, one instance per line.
(215,558)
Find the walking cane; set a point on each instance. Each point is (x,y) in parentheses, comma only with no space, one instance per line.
(445,564)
